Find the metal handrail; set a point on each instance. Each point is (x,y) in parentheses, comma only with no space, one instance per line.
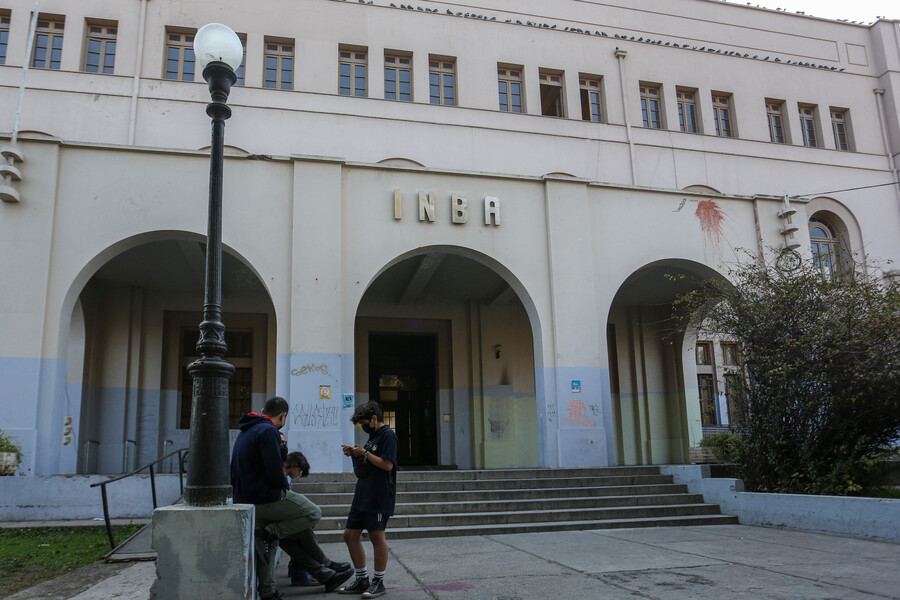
(182,458)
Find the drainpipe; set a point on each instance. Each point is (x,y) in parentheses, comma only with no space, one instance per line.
(11,153)
(138,61)
(879,100)
(620,55)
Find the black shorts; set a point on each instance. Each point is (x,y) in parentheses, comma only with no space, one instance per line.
(369,521)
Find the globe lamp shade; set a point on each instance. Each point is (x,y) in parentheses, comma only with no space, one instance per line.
(217,43)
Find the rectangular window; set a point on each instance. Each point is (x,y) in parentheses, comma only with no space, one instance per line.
(730,353)
(687,110)
(509,88)
(734,398)
(397,78)
(808,125)
(650,107)
(48,41)
(590,99)
(100,48)
(442,81)
(776,125)
(704,353)
(239,72)
(279,65)
(551,94)
(839,127)
(180,56)
(722,115)
(707,387)
(352,73)
(4,36)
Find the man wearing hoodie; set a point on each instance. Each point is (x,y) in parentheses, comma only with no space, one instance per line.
(257,477)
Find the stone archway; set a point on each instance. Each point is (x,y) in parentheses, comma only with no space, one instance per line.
(131,335)
(447,340)
(652,372)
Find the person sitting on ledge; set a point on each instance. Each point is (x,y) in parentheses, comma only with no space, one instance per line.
(282,516)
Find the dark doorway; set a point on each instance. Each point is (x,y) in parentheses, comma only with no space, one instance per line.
(403,379)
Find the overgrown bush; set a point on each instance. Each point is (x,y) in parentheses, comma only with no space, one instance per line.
(728,445)
(820,399)
(8,444)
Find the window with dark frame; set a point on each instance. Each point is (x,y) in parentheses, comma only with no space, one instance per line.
(730,354)
(825,246)
(352,73)
(509,89)
(551,94)
(722,115)
(687,110)
(397,78)
(704,353)
(48,42)
(279,65)
(808,125)
(839,128)
(591,108)
(4,35)
(650,107)
(240,386)
(776,125)
(442,81)
(100,48)
(180,63)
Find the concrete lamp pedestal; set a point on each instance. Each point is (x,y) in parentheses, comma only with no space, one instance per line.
(204,552)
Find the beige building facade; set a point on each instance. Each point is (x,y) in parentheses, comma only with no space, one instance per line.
(472,214)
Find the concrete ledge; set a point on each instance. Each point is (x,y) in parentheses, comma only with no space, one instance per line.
(204,552)
(65,497)
(863,518)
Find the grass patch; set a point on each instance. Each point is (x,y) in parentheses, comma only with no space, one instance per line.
(30,556)
(888,492)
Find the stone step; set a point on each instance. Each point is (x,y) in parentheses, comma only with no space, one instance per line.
(502,528)
(497,484)
(548,503)
(455,475)
(510,494)
(453,520)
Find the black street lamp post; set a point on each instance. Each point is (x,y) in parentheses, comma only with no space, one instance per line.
(219,52)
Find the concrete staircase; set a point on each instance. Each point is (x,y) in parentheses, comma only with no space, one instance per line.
(441,503)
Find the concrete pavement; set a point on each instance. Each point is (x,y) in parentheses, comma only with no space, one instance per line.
(732,562)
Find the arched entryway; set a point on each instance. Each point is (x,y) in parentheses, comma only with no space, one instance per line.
(445,340)
(653,371)
(133,332)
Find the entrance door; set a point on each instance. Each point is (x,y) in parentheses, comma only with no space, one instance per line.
(403,379)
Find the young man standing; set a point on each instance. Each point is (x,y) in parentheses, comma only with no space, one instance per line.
(375,465)
(258,478)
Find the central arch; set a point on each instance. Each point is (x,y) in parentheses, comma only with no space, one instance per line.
(447,339)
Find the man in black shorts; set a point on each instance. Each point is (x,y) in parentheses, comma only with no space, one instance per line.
(375,465)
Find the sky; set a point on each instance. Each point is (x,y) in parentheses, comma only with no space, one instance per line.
(855,10)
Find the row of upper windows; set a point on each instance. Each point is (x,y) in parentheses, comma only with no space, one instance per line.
(278,67)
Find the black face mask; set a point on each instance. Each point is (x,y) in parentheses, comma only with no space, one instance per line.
(368,428)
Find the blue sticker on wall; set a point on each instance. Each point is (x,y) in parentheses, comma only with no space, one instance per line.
(576,386)
(348,400)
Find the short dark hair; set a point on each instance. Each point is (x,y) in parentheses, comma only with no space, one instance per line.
(276,405)
(365,411)
(296,459)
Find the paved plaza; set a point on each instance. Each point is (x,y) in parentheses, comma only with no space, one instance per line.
(721,562)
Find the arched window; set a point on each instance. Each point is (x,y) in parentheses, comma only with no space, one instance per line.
(825,244)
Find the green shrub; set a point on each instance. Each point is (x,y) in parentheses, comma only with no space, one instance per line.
(8,444)
(819,408)
(728,445)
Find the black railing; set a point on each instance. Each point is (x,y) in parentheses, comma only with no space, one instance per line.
(182,459)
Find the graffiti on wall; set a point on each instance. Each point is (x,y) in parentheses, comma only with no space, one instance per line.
(311,369)
(578,414)
(318,416)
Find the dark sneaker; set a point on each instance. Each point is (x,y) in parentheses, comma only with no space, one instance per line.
(336,566)
(276,596)
(338,578)
(357,587)
(375,590)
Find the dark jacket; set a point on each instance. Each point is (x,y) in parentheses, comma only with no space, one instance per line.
(257,471)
